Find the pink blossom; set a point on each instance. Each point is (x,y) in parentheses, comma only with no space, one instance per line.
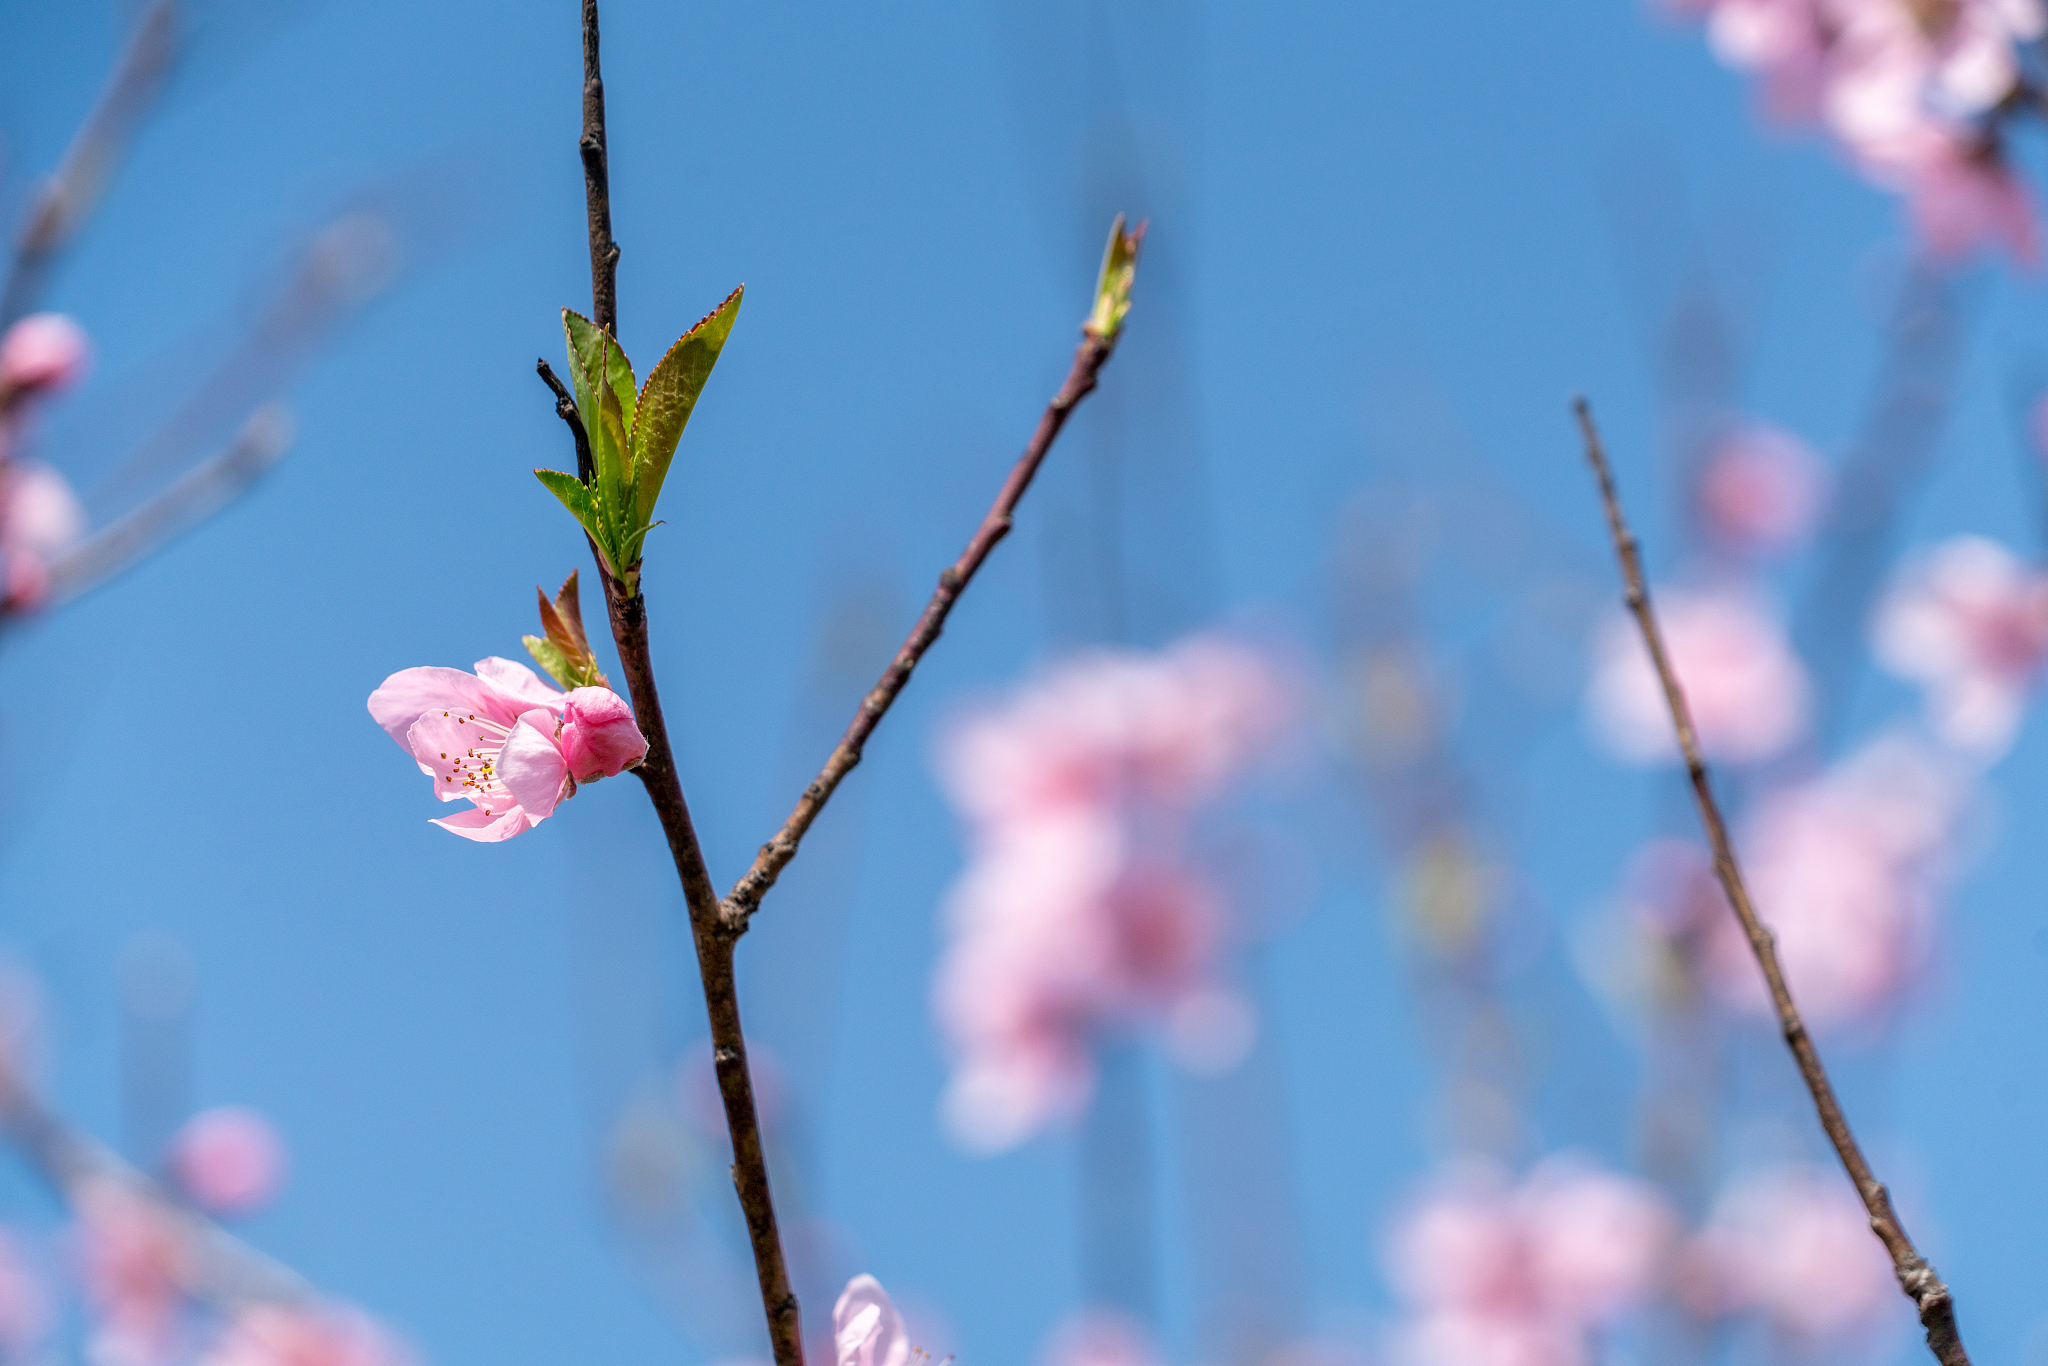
(866,1329)
(1968,622)
(1746,689)
(42,352)
(1794,1244)
(1904,87)
(1521,1274)
(505,741)
(228,1159)
(1100,1338)
(326,1335)
(24,1301)
(135,1270)
(1081,907)
(1761,487)
(1846,872)
(40,518)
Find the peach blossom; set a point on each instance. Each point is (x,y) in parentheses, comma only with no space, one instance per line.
(1746,690)
(866,1329)
(1793,1244)
(41,353)
(1968,622)
(228,1159)
(1760,488)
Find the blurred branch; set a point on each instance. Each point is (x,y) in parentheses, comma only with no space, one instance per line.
(200,493)
(218,1267)
(1916,1277)
(1097,344)
(69,195)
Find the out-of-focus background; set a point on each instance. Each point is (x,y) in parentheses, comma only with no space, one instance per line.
(1387,244)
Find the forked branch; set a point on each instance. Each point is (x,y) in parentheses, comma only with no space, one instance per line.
(1916,1277)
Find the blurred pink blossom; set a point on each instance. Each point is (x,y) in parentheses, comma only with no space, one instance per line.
(329,1335)
(1495,1272)
(24,1301)
(501,739)
(1081,906)
(1100,1338)
(42,352)
(1968,621)
(1846,872)
(866,1329)
(133,1265)
(40,518)
(229,1160)
(1793,1244)
(1904,87)
(1745,687)
(1760,488)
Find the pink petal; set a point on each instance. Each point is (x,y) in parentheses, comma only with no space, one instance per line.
(43,351)
(446,745)
(531,765)
(599,735)
(485,827)
(517,684)
(411,693)
(866,1327)
(228,1159)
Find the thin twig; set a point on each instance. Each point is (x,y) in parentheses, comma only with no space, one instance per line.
(565,409)
(1916,1277)
(714,943)
(68,196)
(745,897)
(597,184)
(196,495)
(217,1267)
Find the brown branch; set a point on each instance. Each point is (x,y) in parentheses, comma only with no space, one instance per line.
(67,197)
(1916,1277)
(597,185)
(714,943)
(565,409)
(745,897)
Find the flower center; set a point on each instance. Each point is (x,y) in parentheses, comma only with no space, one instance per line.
(474,771)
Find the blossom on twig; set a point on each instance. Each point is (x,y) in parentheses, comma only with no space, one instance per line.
(505,741)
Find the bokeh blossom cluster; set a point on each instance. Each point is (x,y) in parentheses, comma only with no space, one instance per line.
(1967,620)
(1915,93)
(40,517)
(1524,1274)
(1085,904)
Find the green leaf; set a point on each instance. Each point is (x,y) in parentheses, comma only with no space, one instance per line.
(1113,288)
(671,396)
(588,357)
(582,505)
(613,477)
(549,656)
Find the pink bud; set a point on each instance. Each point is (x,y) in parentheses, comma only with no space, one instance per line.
(43,351)
(229,1160)
(24,581)
(599,737)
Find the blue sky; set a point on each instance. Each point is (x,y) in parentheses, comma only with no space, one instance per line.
(1381,233)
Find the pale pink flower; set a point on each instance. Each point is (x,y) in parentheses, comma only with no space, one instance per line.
(1746,689)
(1100,1338)
(42,352)
(40,518)
(1846,871)
(24,1300)
(1968,622)
(866,1329)
(134,1266)
(1522,1274)
(505,741)
(228,1159)
(1794,1244)
(325,1335)
(1081,907)
(1761,487)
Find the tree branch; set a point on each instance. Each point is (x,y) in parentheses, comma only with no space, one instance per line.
(745,897)
(68,196)
(1916,1277)
(714,943)
(597,184)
